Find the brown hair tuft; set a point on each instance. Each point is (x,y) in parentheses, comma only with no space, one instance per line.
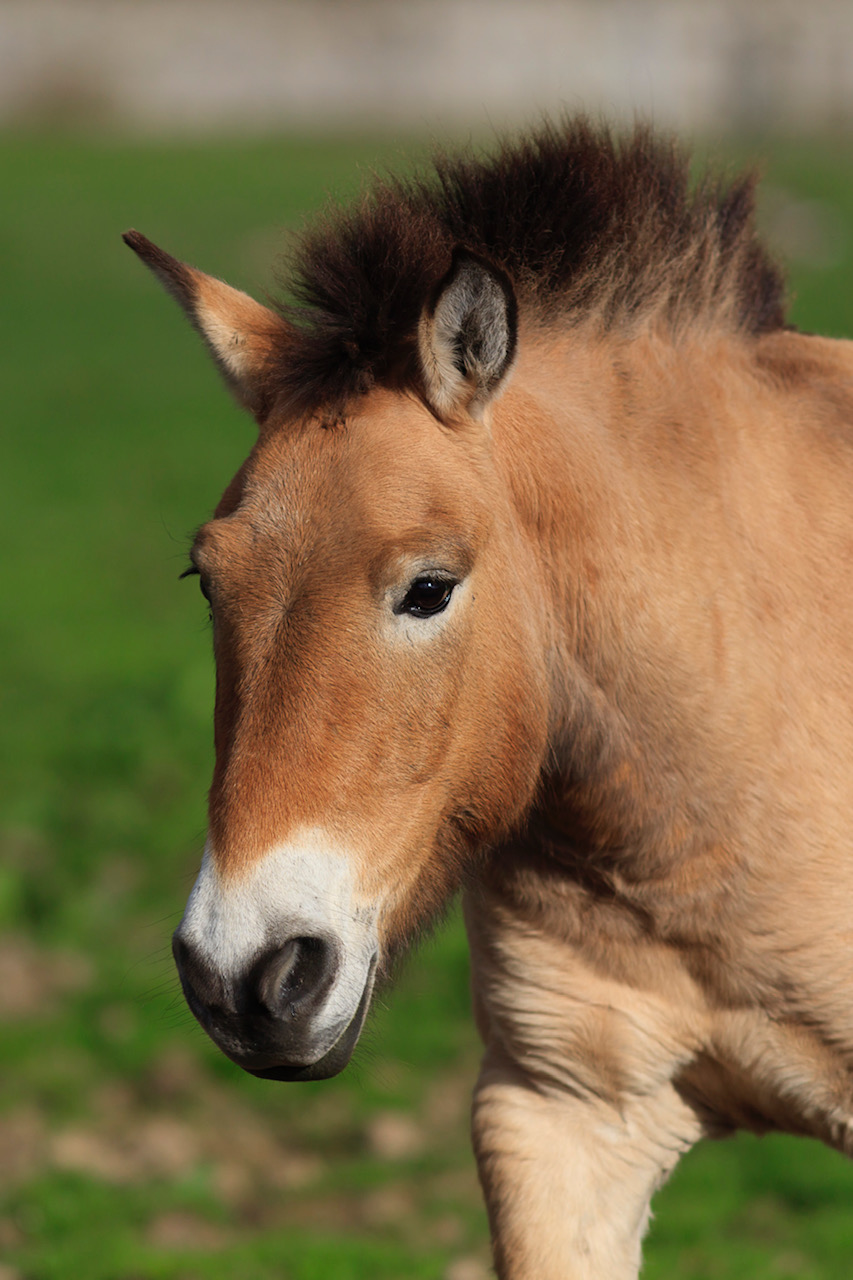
(582,222)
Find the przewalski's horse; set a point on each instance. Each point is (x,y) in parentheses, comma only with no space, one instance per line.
(538,581)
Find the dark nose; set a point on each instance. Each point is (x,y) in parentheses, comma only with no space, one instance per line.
(262,1016)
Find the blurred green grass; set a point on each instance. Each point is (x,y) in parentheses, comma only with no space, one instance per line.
(129,1148)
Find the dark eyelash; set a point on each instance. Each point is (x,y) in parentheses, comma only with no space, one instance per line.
(192,571)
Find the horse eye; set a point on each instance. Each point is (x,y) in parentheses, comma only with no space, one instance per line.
(426,596)
(193,572)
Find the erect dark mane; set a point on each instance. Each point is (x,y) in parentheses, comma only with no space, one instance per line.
(585,225)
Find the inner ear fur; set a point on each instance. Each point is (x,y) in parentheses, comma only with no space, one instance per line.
(244,337)
(467,335)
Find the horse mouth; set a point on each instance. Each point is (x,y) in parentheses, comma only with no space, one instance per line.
(334,1059)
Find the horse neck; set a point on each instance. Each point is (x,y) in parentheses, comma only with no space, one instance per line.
(612,451)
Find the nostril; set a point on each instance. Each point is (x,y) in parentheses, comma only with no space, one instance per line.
(297,976)
(280,975)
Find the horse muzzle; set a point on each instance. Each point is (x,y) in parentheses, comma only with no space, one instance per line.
(278,965)
(277,1019)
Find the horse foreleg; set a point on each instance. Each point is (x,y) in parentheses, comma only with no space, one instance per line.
(568,1179)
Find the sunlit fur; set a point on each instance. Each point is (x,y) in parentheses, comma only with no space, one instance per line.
(630,734)
(353,714)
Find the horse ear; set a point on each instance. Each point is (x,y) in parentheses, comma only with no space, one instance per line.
(242,336)
(467,335)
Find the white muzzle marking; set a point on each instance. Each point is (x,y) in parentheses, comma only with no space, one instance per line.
(303,888)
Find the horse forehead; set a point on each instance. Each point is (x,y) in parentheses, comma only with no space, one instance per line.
(303,456)
(390,462)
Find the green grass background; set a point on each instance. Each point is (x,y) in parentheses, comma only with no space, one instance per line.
(129,1148)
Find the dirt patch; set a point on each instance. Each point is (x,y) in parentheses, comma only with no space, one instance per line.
(155,1147)
(31,980)
(22,1145)
(393,1135)
(132,1138)
(469,1268)
(185,1231)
